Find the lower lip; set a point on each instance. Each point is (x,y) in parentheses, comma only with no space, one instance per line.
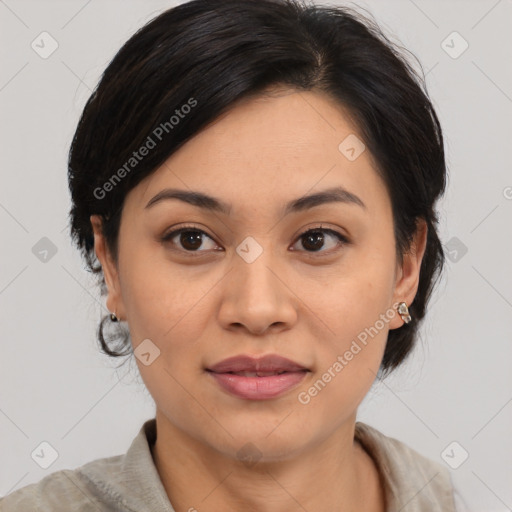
(258,388)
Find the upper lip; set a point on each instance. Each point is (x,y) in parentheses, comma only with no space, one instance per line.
(268,363)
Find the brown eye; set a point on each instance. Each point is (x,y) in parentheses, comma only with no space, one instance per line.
(314,240)
(188,239)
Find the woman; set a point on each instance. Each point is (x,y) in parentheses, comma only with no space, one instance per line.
(255,185)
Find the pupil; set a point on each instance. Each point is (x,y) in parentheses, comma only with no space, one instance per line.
(315,235)
(190,238)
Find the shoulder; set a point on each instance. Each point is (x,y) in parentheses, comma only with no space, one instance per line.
(120,482)
(64,490)
(411,480)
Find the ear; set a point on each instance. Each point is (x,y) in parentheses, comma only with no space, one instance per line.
(110,271)
(408,274)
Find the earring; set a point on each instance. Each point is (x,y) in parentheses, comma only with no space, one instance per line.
(113,317)
(403,311)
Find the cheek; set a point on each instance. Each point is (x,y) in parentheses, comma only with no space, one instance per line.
(358,313)
(163,301)
(175,391)
(360,290)
(348,360)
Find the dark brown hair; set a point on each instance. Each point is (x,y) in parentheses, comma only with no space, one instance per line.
(215,52)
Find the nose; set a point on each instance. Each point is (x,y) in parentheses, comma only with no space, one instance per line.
(257,298)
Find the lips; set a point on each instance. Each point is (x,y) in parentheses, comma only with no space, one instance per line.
(257,367)
(257,379)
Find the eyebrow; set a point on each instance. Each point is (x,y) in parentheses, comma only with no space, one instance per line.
(206,202)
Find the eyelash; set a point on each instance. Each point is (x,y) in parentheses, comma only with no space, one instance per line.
(342,239)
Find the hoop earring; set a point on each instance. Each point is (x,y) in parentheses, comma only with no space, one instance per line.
(113,317)
(403,311)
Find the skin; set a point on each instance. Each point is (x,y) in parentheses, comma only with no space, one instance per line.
(290,301)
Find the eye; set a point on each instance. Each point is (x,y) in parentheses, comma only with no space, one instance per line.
(314,239)
(189,238)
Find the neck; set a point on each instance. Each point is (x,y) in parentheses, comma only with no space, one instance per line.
(334,474)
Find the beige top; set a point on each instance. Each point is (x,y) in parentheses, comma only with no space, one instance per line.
(131,483)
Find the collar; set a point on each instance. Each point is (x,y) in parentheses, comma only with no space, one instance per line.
(131,480)
(411,481)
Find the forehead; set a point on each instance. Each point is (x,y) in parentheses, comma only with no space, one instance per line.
(271,148)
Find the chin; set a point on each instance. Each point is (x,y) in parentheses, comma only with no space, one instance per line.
(252,447)
(275,438)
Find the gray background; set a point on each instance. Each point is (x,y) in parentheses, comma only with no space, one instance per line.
(56,386)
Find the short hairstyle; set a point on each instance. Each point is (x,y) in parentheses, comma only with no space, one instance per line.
(206,55)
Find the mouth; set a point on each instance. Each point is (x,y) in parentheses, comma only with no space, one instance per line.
(271,364)
(256,374)
(257,378)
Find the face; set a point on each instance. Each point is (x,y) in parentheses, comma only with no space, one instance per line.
(314,283)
